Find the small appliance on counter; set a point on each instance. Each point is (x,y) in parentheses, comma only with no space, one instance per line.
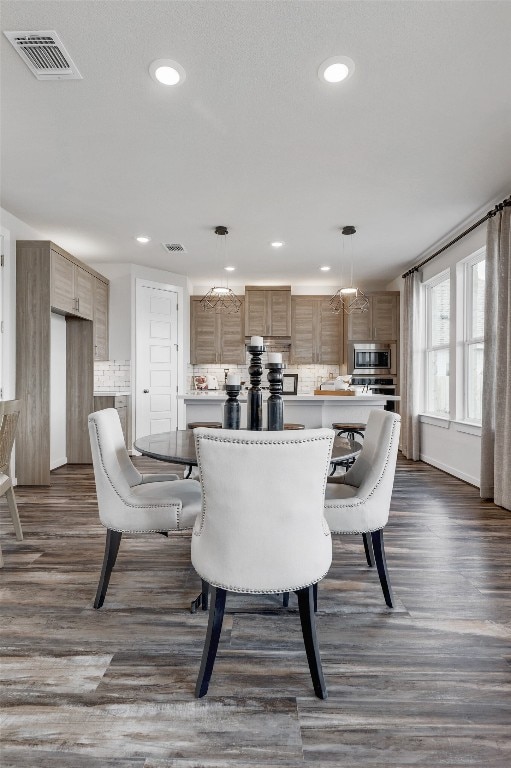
(211,382)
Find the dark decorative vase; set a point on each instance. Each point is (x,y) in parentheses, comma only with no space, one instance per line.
(232,407)
(255,394)
(275,403)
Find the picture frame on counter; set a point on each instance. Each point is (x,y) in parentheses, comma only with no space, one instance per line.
(290,384)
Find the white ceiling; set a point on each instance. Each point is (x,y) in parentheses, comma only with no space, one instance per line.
(413,144)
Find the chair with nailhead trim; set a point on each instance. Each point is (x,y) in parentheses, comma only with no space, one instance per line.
(130,502)
(258,534)
(359,500)
(9,413)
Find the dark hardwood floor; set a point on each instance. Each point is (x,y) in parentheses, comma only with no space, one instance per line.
(425,684)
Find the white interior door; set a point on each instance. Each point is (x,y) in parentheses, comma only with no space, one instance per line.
(156,361)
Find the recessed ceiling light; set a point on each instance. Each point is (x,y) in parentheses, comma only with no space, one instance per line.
(167,72)
(336,69)
(277,244)
(325,269)
(143,239)
(229,269)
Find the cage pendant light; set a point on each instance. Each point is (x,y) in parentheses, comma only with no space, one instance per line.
(349,299)
(220,299)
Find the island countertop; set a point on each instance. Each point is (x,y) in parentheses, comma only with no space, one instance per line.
(220,396)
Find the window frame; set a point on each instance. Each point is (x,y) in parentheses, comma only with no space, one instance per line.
(465,295)
(428,286)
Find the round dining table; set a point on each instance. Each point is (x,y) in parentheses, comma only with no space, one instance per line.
(178,447)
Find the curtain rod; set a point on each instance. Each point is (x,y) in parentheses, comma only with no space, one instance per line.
(504,204)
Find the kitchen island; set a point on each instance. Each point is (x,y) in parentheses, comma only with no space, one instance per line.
(311,410)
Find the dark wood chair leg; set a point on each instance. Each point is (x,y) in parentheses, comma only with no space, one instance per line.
(381,565)
(308,621)
(285,599)
(205,595)
(368,548)
(113,540)
(315,597)
(216,616)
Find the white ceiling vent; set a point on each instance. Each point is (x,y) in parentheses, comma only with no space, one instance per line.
(44,54)
(172,247)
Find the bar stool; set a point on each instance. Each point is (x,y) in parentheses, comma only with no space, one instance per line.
(350,430)
(212,424)
(294,426)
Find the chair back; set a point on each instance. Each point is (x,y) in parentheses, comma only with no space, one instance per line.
(373,472)
(113,469)
(9,414)
(262,527)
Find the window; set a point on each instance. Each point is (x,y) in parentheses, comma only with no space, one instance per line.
(473,347)
(438,314)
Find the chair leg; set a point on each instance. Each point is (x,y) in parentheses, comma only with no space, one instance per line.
(113,540)
(368,548)
(315,596)
(189,472)
(308,621)
(205,595)
(285,599)
(13,509)
(216,616)
(381,565)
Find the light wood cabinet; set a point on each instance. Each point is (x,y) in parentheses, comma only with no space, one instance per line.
(48,278)
(216,339)
(379,323)
(72,286)
(121,403)
(268,311)
(316,335)
(101,291)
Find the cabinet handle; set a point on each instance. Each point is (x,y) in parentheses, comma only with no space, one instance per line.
(146,391)
(78,304)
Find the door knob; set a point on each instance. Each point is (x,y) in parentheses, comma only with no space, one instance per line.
(146,391)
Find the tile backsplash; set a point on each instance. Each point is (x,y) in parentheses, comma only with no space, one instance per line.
(112,375)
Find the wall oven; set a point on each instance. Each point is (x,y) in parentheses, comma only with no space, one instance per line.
(372,359)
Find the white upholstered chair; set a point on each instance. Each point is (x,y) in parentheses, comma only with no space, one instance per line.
(130,502)
(9,413)
(262,528)
(359,501)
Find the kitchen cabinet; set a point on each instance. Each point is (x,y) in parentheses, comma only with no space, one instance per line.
(101,291)
(72,286)
(316,332)
(50,279)
(121,403)
(379,323)
(216,339)
(268,311)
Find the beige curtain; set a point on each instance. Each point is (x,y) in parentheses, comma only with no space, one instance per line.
(496,421)
(411,373)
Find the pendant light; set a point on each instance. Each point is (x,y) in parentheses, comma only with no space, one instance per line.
(349,299)
(220,299)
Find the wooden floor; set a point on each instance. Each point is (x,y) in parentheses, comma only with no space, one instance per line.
(426,684)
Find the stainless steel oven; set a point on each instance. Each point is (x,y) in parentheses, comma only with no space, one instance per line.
(372,359)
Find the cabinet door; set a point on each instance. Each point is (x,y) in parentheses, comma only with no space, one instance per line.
(256,313)
(385,317)
(329,337)
(231,344)
(123,418)
(303,332)
(100,320)
(279,313)
(84,293)
(203,335)
(360,327)
(62,283)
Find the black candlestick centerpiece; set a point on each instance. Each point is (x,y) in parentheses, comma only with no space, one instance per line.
(254,394)
(232,407)
(275,403)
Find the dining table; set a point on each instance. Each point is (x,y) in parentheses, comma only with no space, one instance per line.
(178,447)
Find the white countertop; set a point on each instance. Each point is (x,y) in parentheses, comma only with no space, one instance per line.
(220,396)
(111,393)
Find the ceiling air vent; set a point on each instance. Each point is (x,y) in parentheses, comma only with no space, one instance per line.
(44,54)
(172,247)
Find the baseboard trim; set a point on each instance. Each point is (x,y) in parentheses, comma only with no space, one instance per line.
(451,470)
(58,463)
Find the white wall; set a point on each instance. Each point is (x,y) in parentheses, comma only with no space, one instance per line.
(450,445)
(58,453)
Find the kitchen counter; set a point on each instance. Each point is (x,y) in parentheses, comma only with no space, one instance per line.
(111,392)
(311,410)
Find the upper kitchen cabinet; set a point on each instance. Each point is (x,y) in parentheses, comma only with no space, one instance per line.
(380,322)
(216,339)
(316,335)
(72,286)
(268,311)
(101,290)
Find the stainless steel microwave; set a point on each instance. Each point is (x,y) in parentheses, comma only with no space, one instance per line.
(376,358)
